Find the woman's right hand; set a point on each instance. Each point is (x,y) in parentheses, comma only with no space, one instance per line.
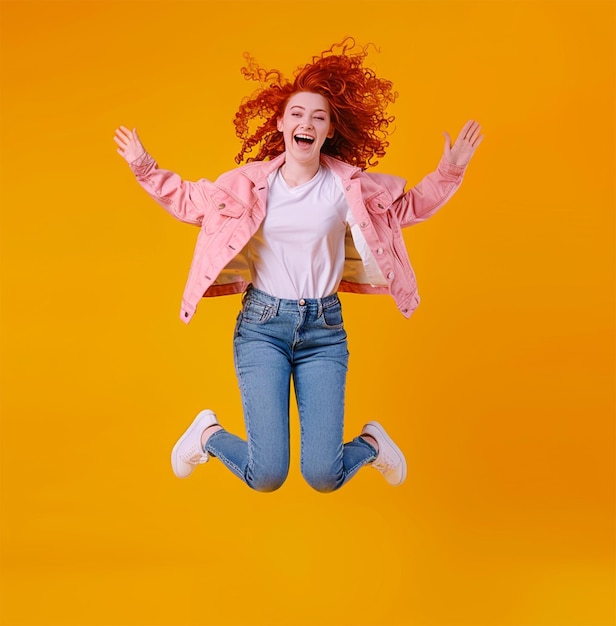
(129,145)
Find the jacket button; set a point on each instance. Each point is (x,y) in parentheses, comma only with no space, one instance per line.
(390,275)
(348,188)
(364,224)
(379,251)
(186,314)
(380,206)
(221,205)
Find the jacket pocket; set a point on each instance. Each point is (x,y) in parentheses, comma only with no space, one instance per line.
(379,203)
(225,208)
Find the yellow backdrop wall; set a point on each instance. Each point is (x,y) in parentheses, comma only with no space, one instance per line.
(500,389)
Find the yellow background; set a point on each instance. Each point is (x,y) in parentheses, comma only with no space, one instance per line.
(500,389)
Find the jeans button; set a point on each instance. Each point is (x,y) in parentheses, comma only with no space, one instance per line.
(302,302)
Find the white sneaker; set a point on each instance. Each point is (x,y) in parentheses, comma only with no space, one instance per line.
(390,461)
(188,452)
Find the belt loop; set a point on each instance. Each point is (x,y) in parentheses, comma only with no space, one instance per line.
(320,308)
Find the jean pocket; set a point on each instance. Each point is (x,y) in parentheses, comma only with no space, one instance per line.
(256,312)
(332,316)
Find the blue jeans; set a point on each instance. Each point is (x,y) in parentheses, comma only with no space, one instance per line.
(276,340)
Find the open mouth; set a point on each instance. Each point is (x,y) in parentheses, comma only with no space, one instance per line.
(304,140)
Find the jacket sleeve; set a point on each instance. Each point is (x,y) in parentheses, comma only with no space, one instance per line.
(186,201)
(429,195)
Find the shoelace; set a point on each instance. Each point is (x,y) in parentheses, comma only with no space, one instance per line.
(195,456)
(386,463)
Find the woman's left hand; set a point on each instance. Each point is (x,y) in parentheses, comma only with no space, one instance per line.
(465,145)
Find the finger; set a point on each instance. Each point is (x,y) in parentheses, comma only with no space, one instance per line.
(465,130)
(474,134)
(122,147)
(119,138)
(473,131)
(447,141)
(478,141)
(124,132)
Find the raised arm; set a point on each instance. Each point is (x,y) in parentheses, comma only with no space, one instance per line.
(186,201)
(427,197)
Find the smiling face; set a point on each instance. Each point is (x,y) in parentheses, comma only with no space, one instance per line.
(305,125)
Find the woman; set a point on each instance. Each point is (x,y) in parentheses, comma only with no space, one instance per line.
(295,225)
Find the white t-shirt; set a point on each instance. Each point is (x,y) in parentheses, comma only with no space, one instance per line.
(298,252)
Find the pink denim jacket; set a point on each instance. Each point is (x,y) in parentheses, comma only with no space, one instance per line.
(230,210)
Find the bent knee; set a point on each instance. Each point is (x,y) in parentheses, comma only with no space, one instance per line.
(322,481)
(266,482)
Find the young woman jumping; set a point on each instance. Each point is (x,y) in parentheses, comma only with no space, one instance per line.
(298,223)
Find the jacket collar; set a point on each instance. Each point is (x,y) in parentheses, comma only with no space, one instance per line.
(258,171)
(344,170)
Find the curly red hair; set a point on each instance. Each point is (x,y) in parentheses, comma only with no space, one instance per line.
(358,100)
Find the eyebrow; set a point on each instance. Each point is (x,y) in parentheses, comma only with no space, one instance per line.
(299,106)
